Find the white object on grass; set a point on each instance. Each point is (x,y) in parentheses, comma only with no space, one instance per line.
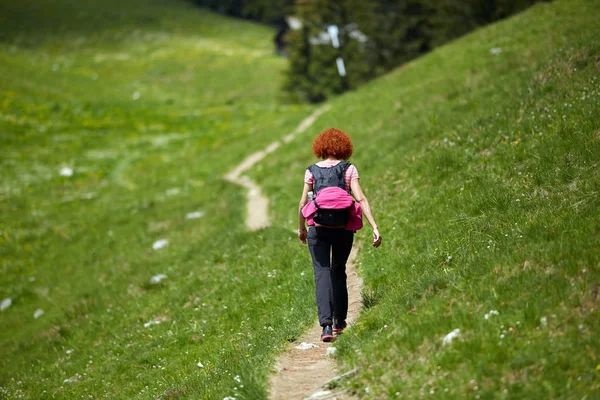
(194,215)
(66,171)
(306,346)
(320,394)
(69,351)
(331,351)
(200,365)
(73,379)
(153,322)
(450,337)
(157,278)
(495,50)
(38,313)
(492,312)
(159,244)
(544,322)
(5,304)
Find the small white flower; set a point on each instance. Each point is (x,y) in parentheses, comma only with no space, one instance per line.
(135,95)
(69,351)
(495,51)
(66,171)
(237,379)
(200,365)
(38,313)
(5,304)
(159,244)
(544,321)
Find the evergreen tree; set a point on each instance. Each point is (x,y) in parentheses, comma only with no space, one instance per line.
(313,73)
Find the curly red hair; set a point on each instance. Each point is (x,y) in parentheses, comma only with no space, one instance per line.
(332,142)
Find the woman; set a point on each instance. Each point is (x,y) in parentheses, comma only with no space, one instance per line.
(330,246)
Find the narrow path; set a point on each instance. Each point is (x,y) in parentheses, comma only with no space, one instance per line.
(300,374)
(257,215)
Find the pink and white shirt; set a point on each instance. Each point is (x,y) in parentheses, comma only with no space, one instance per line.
(351,173)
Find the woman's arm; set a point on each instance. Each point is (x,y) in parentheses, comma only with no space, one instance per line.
(301,220)
(364,203)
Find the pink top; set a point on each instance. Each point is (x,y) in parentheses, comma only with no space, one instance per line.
(351,173)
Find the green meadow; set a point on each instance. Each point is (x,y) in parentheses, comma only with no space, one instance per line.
(146,104)
(127,263)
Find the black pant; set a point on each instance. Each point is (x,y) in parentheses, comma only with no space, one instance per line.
(329,249)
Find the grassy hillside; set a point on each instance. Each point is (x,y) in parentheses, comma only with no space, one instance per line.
(483,170)
(148,103)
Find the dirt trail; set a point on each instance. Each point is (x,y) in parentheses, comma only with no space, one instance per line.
(300,374)
(257,215)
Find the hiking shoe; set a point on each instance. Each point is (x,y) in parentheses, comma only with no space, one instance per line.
(327,335)
(339,325)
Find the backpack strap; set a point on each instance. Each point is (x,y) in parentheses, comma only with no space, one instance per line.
(344,170)
(337,173)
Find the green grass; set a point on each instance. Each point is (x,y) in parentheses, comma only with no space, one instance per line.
(150,103)
(483,171)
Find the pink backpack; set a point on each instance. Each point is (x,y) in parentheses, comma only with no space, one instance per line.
(334,207)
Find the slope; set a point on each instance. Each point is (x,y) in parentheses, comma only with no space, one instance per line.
(123,251)
(481,162)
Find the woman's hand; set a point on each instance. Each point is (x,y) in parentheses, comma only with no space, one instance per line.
(376,238)
(302,235)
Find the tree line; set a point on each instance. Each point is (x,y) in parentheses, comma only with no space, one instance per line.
(374,36)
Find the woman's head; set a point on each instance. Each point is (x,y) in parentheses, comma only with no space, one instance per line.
(332,142)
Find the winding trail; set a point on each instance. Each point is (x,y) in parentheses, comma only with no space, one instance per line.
(257,215)
(301,374)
